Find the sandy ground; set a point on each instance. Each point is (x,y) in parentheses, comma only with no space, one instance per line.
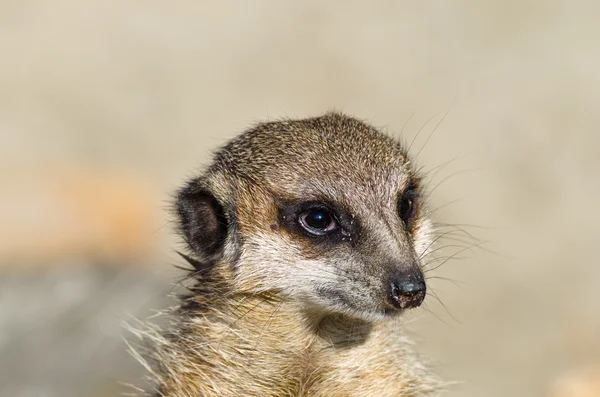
(130,97)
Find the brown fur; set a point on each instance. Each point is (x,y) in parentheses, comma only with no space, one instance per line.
(274,312)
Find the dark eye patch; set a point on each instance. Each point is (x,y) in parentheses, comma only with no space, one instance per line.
(320,221)
(408,205)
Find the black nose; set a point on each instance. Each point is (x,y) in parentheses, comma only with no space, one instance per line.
(408,292)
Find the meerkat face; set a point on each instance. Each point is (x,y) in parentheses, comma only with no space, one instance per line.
(327,212)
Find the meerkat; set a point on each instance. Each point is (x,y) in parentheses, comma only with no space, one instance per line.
(307,239)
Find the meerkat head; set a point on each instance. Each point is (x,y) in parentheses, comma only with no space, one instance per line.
(326,212)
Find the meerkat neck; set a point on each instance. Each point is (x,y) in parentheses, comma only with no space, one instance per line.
(242,342)
(232,343)
(262,346)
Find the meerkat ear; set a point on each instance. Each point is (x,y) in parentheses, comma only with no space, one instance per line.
(202,221)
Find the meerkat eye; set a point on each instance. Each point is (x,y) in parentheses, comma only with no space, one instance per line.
(407,205)
(317,221)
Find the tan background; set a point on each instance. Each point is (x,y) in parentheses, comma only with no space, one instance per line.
(105,106)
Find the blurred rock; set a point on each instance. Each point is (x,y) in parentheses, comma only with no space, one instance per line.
(63,213)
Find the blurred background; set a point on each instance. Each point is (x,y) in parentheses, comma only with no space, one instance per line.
(107,106)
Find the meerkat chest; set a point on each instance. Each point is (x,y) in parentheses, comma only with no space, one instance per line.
(357,359)
(373,364)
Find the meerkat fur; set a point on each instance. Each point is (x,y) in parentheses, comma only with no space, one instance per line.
(282,302)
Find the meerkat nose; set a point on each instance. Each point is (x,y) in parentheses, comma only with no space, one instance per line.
(408,292)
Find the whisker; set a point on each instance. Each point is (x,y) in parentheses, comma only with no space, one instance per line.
(457,228)
(431,134)
(425,307)
(457,283)
(466,225)
(452,257)
(405,124)
(419,132)
(445,205)
(434,295)
(452,175)
(440,167)
(442,258)
(426,250)
(451,246)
